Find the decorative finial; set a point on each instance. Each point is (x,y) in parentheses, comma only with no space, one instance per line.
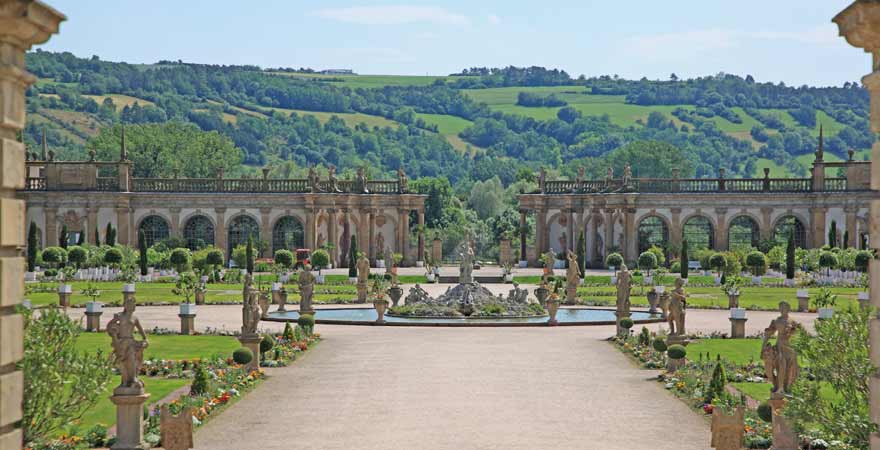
(92,155)
(45,146)
(123,154)
(820,152)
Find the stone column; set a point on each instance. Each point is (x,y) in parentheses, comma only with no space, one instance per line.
(523,254)
(630,246)
(311,226)
(22,24)
(122,224)
(816,231)
(175,222)
(590,238)
(675,227)
(50,228)
(851,226)
(91,227)
(332,237)
(609,231)
(404,220)
(540,231)
(371,221)
(859,24)
(220,230)
(721,243)
(421,256)
(766,224)
(569,216)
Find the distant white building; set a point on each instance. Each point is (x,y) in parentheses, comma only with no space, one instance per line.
(338,72)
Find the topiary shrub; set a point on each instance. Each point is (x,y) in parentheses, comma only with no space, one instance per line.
(718,262)
(659,345)
(626,323)
(675,266)
(242,355)
(320,259)
(645,336)
(113,256)
(765,412)
(614,260)
(676,352)
(180,258)
(54,255)
(757,262)
(284,258)
(214,257)
(201,383)
(266,344)
(288,332)
(863,258)
(307,322)
(827,260)
(647,261)
(716,383)
(77,255)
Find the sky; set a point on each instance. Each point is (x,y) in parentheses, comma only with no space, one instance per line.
(792,41)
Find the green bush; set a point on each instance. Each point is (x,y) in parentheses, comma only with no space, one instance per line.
(827,260)
(765,412)
(675,267)
(113,256)
(54,255)
(626,323)
(96,436)
(644,336)
(284,258)
(180,258)
(659,345)
(614,260)
(242,355)
(262,266)
(266,344)
(201,383)
(50,273)
(647,261)
(716,383)
(863,258)
(676,351)
(718,262)
(214,257)
(77,255)
(493,309)
(320,259)
(756,262)
(307,322)
(288,332)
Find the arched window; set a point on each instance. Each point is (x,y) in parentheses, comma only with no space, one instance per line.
(239,230)
(155,229)
(790,226)
(652,232)
(288,233)
(699,233)
(198,232)
(743,233)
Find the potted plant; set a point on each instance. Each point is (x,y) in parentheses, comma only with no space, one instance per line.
(92,291)
(647,262)
(757,263)
(128,277)
(380,302)
(718,262)
(613,261)
(507,270)
(185,287)
(398,258)
(825,301)
(320,259)
(731,289)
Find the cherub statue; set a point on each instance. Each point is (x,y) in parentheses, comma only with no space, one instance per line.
(780,360)
(128,352)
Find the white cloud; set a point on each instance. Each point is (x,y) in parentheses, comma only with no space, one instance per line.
(393,15)
(494,20)
(686,44)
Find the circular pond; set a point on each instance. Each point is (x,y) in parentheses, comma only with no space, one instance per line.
(367,316)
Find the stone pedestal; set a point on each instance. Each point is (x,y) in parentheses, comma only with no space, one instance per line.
(653,301)
(677,339)
(187,323)
(504,253)
(571,295)
(618,315)
(129,421)
(282,301)
(362,292)
(437,252)
(252,343)
(93,321)
(63,299)
(784,437)
(727,430)
(803,303)
(738,328)
(674,364)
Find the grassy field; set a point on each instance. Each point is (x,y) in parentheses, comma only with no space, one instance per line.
(169,346)
(764,298)
(351,119)
(121,101)
(367,81)
(104,412)
(737,351)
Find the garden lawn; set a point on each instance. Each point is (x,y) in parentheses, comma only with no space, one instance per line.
(104,412)
(167,346)
(738,351)
(753,297)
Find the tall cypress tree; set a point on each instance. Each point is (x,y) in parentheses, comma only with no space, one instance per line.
(110,235)
(683,259)
(33,247)
(63,237)
(249,254)
(352,257)
(832,234)
(97,237)
(582,253)
(845,243)
(789,258)
(81,239)
(142,252)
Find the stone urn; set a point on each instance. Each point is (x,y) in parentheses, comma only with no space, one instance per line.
(381,305)
(552,305)
(200,297)
(733,300)
(653,298)
(395,292)
(541,294)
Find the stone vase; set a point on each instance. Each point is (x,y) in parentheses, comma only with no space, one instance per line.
(395,292)
(200,298)
(733,300)
(653,298)
(552,306)
(541,294)
(381,306)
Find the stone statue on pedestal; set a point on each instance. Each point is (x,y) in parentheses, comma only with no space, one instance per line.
(466,268)
(306,282)
(677,307)
(128,353)
(389,259)
(363,269)
(542,180)
(624,286)
(380,242)
(250,309)
(402,181)
(572,278)
(360,182)
(780,360)
(313,180)
(333,183)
